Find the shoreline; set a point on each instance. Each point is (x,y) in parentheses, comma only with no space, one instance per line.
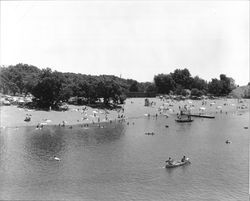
(68,126)
(12,116)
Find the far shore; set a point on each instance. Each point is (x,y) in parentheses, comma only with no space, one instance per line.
(12,116)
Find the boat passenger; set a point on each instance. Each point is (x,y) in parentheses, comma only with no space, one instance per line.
(183,159)
(170,161)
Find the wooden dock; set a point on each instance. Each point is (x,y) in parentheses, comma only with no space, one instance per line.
(202,116)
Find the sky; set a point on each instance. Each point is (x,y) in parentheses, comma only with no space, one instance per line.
(132,39)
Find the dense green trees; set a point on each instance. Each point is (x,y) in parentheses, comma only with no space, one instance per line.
(51,87)
(180,80)
(18,78)
(134,87)
(47,90)
(196,92)
(164,83)
(199,83)
(175,82)
(221,87)
(151,88)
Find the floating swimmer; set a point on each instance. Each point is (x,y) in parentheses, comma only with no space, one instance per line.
(152,133)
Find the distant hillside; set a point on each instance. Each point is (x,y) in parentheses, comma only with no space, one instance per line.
(241,92)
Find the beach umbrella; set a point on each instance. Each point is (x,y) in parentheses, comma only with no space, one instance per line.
(95,112)
(202,108)
(48,121)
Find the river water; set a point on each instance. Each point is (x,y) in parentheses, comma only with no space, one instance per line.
(120,162)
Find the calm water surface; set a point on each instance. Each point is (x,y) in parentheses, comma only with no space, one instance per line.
(120,162)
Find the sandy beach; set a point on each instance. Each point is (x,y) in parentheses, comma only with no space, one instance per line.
(12,116)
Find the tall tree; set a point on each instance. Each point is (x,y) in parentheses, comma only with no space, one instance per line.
(215,87)
(164,83)
(48,89)
(199,83)
(182,78)
(227,84)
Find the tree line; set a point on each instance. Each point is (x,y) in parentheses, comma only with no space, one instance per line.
(180,80)
(52,87)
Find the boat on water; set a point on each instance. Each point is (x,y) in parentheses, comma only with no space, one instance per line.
(178,163)
(183,120)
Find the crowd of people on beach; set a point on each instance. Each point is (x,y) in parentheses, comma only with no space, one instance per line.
(156,107)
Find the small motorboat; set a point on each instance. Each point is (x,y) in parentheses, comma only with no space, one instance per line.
(178,163)
(183,120)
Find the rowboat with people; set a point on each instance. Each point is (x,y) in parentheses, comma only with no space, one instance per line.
(183,120)
(177,163)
